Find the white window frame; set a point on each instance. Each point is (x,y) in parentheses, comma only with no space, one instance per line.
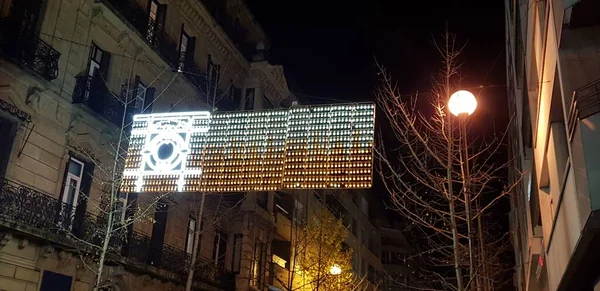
(183,50)
(189,248)
(95,60)
(140,97)
(123,200)
(216,248)
(70,176)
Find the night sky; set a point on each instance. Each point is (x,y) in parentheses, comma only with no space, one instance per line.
(328,49)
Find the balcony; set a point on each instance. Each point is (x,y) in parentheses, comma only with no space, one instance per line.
(586,102)
(94,94)
(582,14)
(37,214)
(235,32)
(152,32)
(28,50)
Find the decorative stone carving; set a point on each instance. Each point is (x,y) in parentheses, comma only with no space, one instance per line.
(122,36)
(14,110)
(47,251)
(5,237)
(23,243)
(96,11)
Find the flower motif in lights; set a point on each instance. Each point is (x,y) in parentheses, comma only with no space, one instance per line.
(166,145)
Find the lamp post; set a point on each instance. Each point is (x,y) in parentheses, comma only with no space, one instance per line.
(462,104)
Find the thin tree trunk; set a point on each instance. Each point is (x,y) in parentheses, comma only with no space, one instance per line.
(197,231)
(464,156)
(484,272)
(458,271)
(114,187)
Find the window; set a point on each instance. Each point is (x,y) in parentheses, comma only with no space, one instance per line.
(257,265)
(189,243)
(156,20)
(236,97)
(153,11)
(95,60)
(364,205)
(99,62)
(121,207)
(183,45)
(249,99)
(299,212)
(73,182)
(55,282)
(158,231)
(4,7)
(237,252)
(7,131)
(220,248)
(213,73)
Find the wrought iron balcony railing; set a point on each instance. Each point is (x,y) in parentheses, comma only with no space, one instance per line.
(93,93)
(152,31)
(40,214)
(234,30)
(29,210)
(586,102)
(216,274)
(28,50)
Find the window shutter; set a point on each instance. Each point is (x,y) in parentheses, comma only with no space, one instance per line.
(161,16)
(189,53)
(105,64)
(158,232)
(237,252)
(81,208)
(148,100)
(7,131)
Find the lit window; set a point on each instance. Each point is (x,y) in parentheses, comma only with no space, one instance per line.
(189,247)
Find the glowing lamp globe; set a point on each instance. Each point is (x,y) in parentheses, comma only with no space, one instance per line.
(335,270)
(462,102)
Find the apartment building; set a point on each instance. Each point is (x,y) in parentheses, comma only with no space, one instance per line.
(72,73)
(553,91)
(397,257)
(350,206)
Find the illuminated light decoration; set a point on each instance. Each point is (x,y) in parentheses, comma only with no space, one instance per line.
(304,147)
(162,143)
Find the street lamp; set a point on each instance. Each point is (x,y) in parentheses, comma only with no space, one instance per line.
(462,102)
(335,270)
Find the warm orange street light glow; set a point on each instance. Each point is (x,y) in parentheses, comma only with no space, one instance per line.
(462,102)
(335,270)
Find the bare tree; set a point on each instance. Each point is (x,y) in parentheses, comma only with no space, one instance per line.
(102,234)
(442,180)
(210,84)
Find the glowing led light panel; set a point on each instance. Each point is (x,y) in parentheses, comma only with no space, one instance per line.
(315,147)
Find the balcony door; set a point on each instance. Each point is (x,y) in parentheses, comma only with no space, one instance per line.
(25,14)
(97,74)
(99,62)
(156,20)
(71,191)
(7,131)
